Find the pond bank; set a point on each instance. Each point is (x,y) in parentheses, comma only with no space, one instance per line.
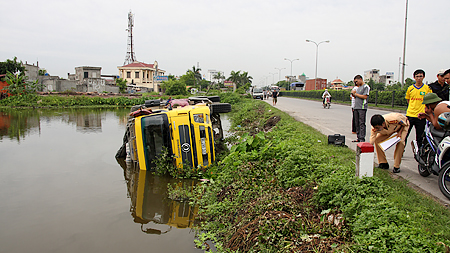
(286,190)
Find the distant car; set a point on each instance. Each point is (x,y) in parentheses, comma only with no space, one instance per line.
(258,93)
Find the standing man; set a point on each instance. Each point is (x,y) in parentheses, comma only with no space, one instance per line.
(275,97)
(382,128)
(447,76)
(360,94)
(414,95)
(440,87)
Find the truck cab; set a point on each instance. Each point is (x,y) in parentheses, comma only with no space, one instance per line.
(187,133)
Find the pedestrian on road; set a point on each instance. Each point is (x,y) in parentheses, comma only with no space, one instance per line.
(360,94)
(414,95)
(353,111)
(440,87)
(274,96)
(382,128)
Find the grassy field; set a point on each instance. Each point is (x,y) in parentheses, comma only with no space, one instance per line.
(282,188)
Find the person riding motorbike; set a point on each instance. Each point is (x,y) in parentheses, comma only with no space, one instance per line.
(434,106)
(325,94)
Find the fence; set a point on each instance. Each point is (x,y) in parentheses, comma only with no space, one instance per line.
(392,98)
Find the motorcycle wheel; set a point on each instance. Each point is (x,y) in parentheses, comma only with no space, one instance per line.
(428,156)
(444,180)
(328,105)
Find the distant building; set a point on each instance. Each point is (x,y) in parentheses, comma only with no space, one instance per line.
(141,74)
(387,79)
(337,84)
(302,78)
(373,74)
(85,79)
(31,71)
(311,84)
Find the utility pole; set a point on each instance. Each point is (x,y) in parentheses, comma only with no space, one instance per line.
(404,45)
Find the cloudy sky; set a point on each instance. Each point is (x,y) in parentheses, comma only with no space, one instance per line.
(247,35)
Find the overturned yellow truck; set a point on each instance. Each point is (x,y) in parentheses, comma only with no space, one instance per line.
(187,133)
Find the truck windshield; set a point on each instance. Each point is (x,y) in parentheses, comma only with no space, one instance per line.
(257,90)
(155,134)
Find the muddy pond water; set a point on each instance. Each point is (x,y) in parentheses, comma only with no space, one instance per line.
(62,190)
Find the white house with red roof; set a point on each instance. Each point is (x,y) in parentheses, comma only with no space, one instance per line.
(337,84)
(142,74)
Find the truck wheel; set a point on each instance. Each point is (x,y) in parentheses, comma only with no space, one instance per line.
(220,108)
(150,103)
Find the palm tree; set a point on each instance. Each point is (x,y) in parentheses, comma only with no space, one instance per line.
(235,77)
(219,76)
(245,78)
(196,73)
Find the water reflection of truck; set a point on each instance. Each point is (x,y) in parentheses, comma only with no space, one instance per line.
(187,133)
(150,205)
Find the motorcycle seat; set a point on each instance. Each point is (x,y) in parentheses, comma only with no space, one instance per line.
(438,134)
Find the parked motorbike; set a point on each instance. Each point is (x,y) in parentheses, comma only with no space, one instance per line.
(327,102)
(433,156)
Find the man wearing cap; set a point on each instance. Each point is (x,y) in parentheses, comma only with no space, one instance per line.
(440,87)
(382,128)
(433,108)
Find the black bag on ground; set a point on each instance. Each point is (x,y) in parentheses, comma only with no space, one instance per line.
(336,139)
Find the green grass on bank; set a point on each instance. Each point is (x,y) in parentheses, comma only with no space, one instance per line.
(75,101)
(281,183)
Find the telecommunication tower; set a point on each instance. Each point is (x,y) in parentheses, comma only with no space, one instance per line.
(130,57)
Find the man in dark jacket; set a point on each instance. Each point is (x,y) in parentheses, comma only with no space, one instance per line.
(440,87)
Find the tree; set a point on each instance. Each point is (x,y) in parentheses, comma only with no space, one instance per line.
(195,73)
(18,84)
(174,87)
(122,84)
(240,79)
(409,82)
(235,77)
(283,84)
(375,86)
(11,66)
(219,77)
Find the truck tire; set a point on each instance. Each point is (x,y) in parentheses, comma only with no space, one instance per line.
(214,99)
(220,108)
(151,103)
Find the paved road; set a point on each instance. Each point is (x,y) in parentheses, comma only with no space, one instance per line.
(337,120)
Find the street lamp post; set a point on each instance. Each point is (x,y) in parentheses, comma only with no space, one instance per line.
(317,53)
(279,73)
(273,77)
(291,68)
(291,62)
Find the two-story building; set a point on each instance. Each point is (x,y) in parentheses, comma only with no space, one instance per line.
(141,74)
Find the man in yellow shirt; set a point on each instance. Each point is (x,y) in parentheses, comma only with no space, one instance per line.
(414,95)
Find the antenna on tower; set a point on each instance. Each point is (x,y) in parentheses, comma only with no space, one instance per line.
(130,57)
